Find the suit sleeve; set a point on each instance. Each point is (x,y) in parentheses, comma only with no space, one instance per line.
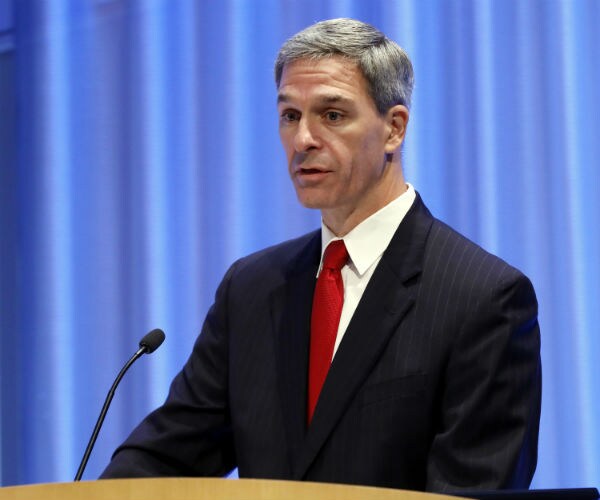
(190,434)
(490,409)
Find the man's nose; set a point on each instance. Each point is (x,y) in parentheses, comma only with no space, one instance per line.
(305,138)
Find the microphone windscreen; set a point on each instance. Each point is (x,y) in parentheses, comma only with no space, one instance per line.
(152,340)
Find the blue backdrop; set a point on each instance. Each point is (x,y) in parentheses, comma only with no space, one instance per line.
(140,157)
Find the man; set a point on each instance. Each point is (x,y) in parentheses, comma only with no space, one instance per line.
(434,382)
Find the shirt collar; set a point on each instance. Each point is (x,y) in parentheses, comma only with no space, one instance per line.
(367,241)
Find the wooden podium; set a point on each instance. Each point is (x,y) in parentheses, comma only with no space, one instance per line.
(207,489)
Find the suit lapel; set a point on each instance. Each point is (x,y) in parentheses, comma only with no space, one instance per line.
(291,310)
(385,302)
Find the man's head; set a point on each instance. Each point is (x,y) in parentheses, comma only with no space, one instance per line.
(384,65)
(340,128)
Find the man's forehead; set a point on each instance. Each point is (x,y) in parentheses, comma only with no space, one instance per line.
(308,65)
(330,80)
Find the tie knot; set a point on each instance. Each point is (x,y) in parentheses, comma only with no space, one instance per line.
(336,255)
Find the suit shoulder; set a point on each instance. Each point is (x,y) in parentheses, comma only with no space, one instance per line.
(280,257)
(450,252)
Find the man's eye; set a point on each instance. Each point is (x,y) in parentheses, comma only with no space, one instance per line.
(289,116)
(333,116)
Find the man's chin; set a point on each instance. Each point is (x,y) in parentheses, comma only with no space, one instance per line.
(312,202)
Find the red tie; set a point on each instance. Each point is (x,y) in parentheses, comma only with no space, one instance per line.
(326,311)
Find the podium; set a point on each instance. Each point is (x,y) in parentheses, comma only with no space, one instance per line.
(207,489)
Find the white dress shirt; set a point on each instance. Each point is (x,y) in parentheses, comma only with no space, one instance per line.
(365,244)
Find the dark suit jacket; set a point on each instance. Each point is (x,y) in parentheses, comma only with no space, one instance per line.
(436,384)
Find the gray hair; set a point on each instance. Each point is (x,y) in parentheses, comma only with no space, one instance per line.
(384,64)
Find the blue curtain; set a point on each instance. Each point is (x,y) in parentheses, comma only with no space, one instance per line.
(140,157)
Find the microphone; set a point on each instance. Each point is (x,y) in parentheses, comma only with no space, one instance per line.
(149,343)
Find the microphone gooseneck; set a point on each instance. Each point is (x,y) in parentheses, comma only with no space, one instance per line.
(149,343)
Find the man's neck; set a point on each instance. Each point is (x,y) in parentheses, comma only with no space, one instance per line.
(342,220)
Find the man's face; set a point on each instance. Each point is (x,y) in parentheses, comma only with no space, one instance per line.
(335,139)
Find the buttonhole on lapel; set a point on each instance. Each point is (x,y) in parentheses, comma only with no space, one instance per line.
(398,308)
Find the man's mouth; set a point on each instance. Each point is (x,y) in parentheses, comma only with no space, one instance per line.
(311,171)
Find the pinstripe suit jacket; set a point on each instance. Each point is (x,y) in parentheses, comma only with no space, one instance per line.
(436,384)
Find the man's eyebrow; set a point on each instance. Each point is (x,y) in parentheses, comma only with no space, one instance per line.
(334,98)
(325,99)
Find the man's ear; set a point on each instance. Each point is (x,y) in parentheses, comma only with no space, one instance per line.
(397,120)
